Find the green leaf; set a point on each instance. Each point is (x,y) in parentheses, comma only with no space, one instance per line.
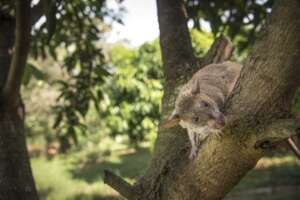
(36,73)
(58,120)
(71,132)
(32,71)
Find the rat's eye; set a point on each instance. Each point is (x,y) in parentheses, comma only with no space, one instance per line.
(205,104)
(196,119)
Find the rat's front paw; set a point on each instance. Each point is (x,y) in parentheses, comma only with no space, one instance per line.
(193,153)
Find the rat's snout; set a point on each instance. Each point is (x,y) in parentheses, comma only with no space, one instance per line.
(219,119)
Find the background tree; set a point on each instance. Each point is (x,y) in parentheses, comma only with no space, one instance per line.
(41,29)
(254,120)
(15,174)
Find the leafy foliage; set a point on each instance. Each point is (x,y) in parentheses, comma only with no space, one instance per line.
(32,71)
(240,20)
(71,33)
(134,92)
(6,7)
(201,41)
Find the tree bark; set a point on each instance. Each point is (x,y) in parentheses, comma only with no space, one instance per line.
(7,27)
(257,111)
(16,180)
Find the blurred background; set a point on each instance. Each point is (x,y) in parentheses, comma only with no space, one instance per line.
(93,87)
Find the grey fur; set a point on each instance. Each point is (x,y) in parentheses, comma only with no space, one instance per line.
(200,100)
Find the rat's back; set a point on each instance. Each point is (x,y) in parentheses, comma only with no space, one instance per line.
(225,74)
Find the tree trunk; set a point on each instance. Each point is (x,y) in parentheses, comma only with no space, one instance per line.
(16,180)
(7,32)
(257,111)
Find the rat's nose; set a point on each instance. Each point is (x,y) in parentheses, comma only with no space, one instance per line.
(221,120)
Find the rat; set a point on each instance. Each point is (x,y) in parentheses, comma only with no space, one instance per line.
(199,102)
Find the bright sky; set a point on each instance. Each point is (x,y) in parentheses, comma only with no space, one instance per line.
(140,22)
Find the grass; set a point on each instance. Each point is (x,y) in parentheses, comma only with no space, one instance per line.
(276,178)
(78,175)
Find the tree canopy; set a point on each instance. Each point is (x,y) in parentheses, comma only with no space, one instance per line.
(73,34)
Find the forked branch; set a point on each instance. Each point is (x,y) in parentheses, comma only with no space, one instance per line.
(219,51)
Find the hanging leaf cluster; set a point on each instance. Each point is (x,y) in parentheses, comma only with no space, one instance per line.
(72,34)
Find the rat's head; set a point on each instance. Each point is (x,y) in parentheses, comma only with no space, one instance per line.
(196,110)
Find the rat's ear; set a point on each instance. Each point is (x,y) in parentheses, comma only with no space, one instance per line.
(195,89)
(173,120)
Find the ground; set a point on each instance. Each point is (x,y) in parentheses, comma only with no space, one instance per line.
(78,175)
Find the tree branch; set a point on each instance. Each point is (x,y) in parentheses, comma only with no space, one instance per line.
(294,147)
(279,130)
(175,39)
(221,50)
(7,37)
(271,73)
(21,48)
(120,185)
